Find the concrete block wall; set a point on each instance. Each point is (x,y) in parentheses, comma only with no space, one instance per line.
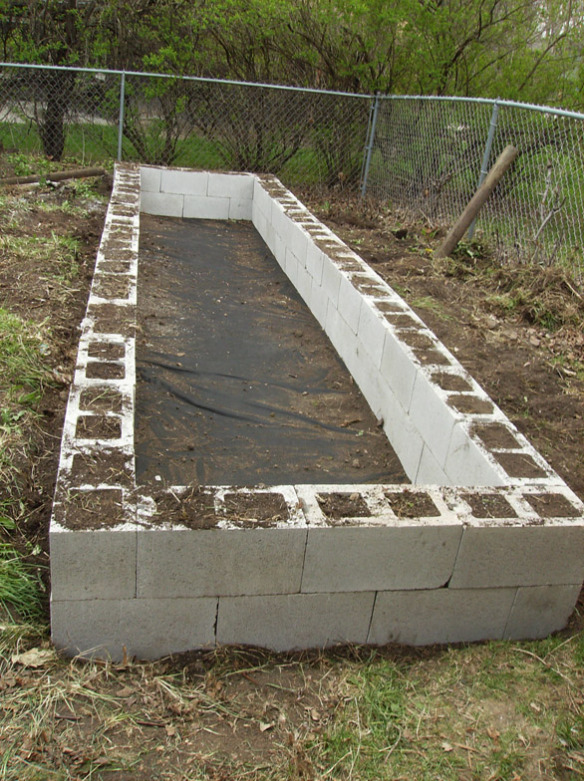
(488,542)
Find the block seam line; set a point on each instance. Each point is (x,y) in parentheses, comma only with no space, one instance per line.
(447,584)
(508,621)
(215,622)
(304,563)
(368,636)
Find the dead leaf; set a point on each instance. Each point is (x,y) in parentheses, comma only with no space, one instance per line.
(446,746)
(170,730)
(264,727)
(36,657)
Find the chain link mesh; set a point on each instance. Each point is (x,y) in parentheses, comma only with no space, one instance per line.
(427,157)
(424,155)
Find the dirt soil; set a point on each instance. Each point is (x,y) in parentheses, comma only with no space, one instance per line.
(215,715)
(518,331)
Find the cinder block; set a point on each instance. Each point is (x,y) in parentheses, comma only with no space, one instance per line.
(286,623)
(93,564)
(342,338)
(261,201)
(314,263)
(150,179)
(304,285)
(319,305)
(261,224)
(519,556)
(467,464)
(279,250)
(350,300)
(239,208)
(144,628)
(398,369)
(88,628)
(404,437)
(371,332)
(184,182)
(440,616)
(238,186)
(331,281)
(299,243)
(367,377)
(432,416)
(204,207)
(152,628)
(429,471)
(397,557)
(162,204)
(541,610)
(291,266)
(208,562)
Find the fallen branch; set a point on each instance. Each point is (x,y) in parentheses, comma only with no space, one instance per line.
(58,176)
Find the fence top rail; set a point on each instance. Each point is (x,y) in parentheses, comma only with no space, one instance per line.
(560,112)
(204,79)
(286,88)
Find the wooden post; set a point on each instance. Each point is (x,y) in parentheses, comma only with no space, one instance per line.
(476,202)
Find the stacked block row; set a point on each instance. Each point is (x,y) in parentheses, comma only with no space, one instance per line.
(487,543)
(443,426)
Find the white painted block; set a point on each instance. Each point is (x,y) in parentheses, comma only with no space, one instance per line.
(143,628)
(162,204)
(97,564)
(440,616)
(150,179)
(204,207)
(398,369)
(519,556)
(279,250)
(319,305)
(342,338)
(209,562)
(184,182)
(350,300)
(372,328)
(361,558)
(239,209)
(261,224)
(261,201)
(404,437)
(429,471)
(314,262)
(291,266)
(467,464)
(233,185)
(540,610)
(367,377)
(286,623)
(304,285)
(432,416)
(331,280)
(299,243)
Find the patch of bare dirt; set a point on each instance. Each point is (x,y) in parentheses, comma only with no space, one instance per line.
(518,331)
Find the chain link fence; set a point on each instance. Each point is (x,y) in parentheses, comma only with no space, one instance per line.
(423,155)
(427,156)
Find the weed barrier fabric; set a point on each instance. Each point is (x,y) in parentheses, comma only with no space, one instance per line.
(237,384)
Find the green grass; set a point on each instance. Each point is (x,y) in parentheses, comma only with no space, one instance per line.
(20,586)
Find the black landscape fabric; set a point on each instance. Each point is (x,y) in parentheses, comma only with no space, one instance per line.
(237,384)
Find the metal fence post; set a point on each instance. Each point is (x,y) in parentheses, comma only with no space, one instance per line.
(486,156)
(121,115)
(369,144)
